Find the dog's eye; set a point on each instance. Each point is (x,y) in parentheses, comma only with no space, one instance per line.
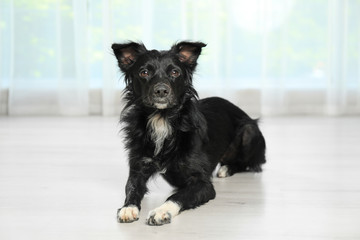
(175,73)
(144,73)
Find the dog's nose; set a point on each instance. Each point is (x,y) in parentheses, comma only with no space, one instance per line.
(161,90)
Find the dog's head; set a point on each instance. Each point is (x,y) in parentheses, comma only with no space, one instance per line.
(160,79)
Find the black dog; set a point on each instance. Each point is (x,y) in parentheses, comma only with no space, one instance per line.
(168,130)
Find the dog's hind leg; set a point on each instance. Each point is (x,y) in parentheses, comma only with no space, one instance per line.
(245,153)
(230,157)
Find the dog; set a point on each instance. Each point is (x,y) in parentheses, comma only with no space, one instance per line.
(168,130)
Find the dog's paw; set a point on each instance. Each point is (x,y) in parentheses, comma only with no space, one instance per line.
(163,214)
(223,172)
(157,218)
(128,214)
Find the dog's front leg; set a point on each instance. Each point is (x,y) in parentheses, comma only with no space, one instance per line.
(135,191)
(191,196)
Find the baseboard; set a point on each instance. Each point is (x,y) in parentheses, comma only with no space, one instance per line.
(4,101)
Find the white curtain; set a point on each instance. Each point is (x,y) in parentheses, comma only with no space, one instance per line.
(267,56)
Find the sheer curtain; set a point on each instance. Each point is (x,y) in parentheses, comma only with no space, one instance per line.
(268,56)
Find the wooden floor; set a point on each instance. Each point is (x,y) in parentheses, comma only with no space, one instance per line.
(63,178)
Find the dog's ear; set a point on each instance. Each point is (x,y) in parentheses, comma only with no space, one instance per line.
(127,53)
(188,52)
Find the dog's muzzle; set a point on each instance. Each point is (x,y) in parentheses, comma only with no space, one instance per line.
(161,90)
(162,96)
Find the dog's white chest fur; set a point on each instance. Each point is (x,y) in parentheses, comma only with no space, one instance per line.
(159,129)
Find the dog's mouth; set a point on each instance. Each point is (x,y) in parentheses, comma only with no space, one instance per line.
(160,103)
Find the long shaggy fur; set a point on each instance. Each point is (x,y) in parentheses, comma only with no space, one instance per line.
(186,138)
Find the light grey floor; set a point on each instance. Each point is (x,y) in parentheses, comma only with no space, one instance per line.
(63,178)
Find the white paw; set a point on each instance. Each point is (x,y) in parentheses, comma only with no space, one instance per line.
(163,214)
(223,172)
(128,214)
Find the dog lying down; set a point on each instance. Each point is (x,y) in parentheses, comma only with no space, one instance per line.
(168,130)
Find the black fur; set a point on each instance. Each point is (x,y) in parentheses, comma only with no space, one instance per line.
(199,134)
